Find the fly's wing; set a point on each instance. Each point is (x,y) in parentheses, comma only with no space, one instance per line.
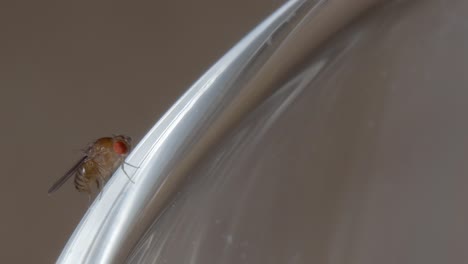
(67,176)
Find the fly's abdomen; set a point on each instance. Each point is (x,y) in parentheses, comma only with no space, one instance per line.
(82,183)
(87,174)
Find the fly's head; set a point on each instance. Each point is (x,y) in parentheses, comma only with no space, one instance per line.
(122,144)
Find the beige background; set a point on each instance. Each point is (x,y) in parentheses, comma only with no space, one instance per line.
(73,71)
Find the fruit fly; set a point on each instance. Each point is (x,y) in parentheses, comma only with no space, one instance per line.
(101,160)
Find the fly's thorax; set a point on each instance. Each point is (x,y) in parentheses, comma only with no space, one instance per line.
(108,161)
(102,161)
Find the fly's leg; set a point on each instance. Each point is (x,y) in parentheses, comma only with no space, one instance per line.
(123,168)
(128,176)
(88,190)
(133,166)
(99,181)
(98,184)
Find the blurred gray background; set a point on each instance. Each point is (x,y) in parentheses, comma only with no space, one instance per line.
(74,71)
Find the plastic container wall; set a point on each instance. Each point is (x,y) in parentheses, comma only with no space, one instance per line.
(303,145)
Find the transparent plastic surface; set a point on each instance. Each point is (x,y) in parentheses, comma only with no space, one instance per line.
(284,152)
(359,157)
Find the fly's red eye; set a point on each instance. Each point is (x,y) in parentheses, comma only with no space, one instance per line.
(120,147)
